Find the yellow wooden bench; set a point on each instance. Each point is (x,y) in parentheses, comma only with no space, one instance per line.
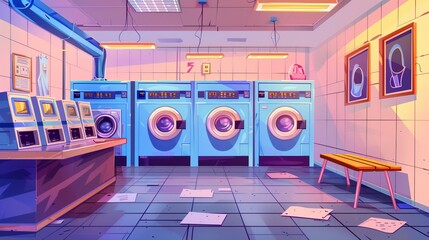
(360,164)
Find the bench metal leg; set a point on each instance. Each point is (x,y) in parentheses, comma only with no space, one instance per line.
(392,195)
(359,181)
(323,170)
(346,172)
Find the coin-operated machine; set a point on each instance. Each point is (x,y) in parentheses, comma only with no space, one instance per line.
(70,118)
(18,126)
(87,119)
(49,120)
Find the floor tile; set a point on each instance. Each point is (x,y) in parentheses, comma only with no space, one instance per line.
(176,189)
(212,182)
(331,233)
(277,237)
(424,230)
(254,197)
(414,220)
(111,208)
(180,181)
(217,198)
(316,198)
(160,233)
(305,222)
(169,208)
(170,197)
(266,220)
(249,189)
(145,197)
(113,219)
(216,233)
(400,234)
(215,208)
(244,181)
(111,233)
(274,231)
(260,208)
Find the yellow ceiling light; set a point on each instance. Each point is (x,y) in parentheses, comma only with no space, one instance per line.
(204,55)
(295,5)
(128,45)
(268,55)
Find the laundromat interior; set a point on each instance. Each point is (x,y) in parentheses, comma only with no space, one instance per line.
(214,119)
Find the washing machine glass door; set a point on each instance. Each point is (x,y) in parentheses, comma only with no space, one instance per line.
(283,123)
(222,123)
(165,123)
(106,125)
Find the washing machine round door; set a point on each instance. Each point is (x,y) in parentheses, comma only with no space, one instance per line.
(163,123)
(283,123)
(106,125)
(221,123)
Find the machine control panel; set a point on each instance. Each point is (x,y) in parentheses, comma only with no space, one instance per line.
(100,94)
(54,135)
(27,138)
(163,94)
(285,94)
(224,94)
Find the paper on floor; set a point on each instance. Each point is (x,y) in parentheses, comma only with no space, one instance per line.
(203,218)
(196,193)
(119,197)
(384,225)
(303,212)
(58,221)
(281,175)
(224,189)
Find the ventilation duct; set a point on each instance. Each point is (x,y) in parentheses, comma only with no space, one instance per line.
(51,21)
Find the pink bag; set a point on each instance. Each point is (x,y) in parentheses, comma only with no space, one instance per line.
(296,72)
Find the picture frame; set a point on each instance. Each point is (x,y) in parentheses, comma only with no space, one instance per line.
(357,75)
(21,73)
(398,62)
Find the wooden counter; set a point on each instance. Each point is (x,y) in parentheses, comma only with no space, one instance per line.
(38,185)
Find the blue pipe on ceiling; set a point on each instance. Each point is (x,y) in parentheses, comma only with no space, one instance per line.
(51,21)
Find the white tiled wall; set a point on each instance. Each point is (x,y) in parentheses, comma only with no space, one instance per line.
(394,130)
(18,35)
(171,64)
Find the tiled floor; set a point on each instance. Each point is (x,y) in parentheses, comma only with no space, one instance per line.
(253,207)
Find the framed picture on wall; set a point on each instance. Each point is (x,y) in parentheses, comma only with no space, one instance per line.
(21,73)
(357,75)
(398,65)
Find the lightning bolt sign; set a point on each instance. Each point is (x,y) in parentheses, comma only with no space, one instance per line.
(190,66)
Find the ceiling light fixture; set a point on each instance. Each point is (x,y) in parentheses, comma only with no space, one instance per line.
(268,55)
(128,45)
(204,55)
(295,5)
(165,6)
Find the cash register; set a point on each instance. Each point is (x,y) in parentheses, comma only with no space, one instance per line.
(71,121)
(18,126)
(49,120)
(87,119)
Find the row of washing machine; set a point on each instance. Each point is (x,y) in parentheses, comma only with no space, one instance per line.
(205,122)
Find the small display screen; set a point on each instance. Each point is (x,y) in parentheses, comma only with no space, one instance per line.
(99,95)
(89,132)
(164,95)
(283,95)
(72,111)
(27,138)
(86,112)
(21,107)
(54,135)
(223,94)
(75,133)
(48,108)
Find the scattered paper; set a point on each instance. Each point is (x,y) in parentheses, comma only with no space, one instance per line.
(224,189)
(303,212)
(383,225)
(203,218)
(59,221)
(281,175)
(196,193)
(119,197)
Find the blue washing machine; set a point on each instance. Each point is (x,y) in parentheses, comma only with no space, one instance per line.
(284,123)
(111,109)
(164,123)
(224,122)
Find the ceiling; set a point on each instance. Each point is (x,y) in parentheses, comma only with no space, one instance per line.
(227,23)
(219,15)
